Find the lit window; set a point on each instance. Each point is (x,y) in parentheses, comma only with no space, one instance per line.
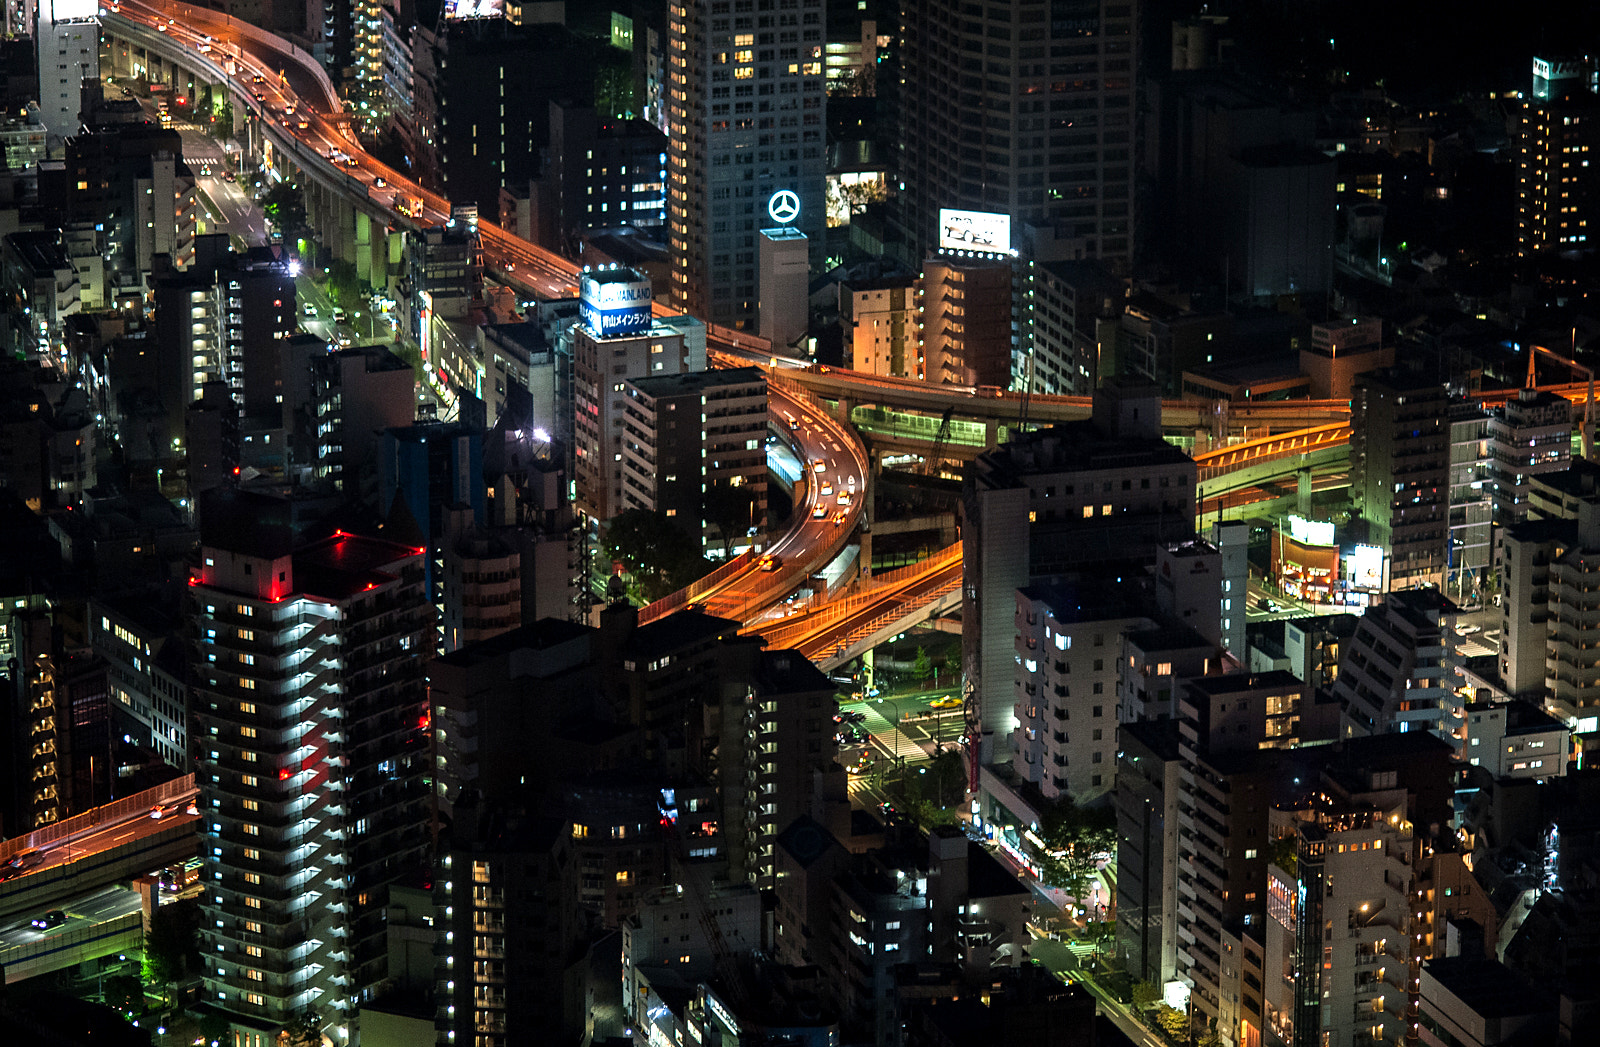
(252,903)
(248,708)
(251,830)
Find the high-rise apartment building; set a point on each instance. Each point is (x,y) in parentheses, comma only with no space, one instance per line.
(1039,128)
(1528,436)
(1400,472)
(1558,191)
(1392,676)
(687,433)
(1057,501)
(312,702)
(1470,552)
(745,99)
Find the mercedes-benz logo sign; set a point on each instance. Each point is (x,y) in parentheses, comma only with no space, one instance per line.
(784,206)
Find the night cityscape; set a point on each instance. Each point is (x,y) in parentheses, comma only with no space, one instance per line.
(799,523)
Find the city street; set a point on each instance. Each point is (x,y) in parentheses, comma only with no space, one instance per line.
(1065,959)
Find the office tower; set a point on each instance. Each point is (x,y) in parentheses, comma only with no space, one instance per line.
(1245,194)
(136,635)
(598,172)
(1400,472)
(687,434)
(432,468)
(1056,501)
(482,84)
(745,99)
(1043,133)
(1392,675)
(1147,849)
(617,340)
(310,696)
(1558,187)
(446,283)
(1529,436)
(66,36)
(1472,458)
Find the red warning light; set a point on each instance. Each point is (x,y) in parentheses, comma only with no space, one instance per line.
(283,775)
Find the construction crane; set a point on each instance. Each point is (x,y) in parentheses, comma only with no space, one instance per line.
(939,440)
(1027,395)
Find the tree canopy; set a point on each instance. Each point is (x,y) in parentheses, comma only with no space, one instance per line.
(1074,837)
(660,557)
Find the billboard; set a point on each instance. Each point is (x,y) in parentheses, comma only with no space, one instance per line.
(974,231)
(1365,567)
(74,10)
(1310,532)
(614,302)
(463,10)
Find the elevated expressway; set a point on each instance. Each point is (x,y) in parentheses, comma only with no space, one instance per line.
(362,224)
(82,866)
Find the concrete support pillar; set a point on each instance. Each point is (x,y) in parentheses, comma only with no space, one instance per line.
(991,433)
(1303,492)
(844,409)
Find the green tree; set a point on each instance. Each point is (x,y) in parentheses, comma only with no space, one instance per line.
(660,557)
(730,509)
(1173,1022)
(213,1026)
(922,666)
(613,85)
(285,207)
(305,1030)
(124,992)
(170,944)
(952,661)
(1074,840)
(1145,995)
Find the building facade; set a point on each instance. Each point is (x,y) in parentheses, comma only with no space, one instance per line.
(1044,133)
(745,98)
(311,697)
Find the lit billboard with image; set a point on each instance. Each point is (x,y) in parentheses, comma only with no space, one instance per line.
(1365,566)
(974,231)
(614,302)
(74,10)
